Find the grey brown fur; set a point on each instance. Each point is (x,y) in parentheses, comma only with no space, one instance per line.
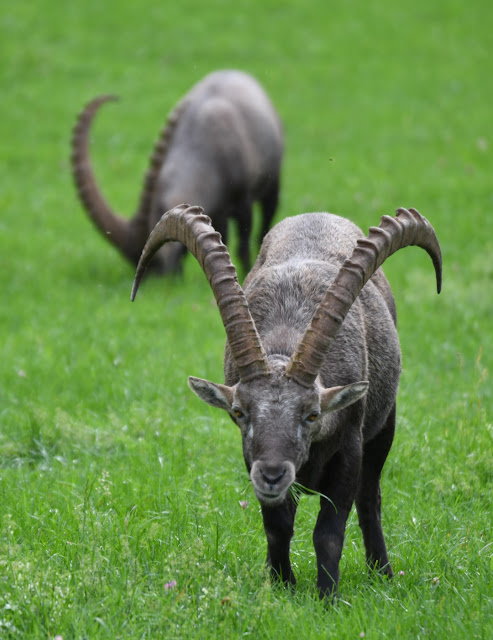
(222,146)
(327,428)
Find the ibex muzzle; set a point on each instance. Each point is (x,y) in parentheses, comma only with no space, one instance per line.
(312,366)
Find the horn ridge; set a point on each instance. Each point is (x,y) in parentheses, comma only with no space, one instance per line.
(114,227)
(192,228)
(156,161)
(407,228)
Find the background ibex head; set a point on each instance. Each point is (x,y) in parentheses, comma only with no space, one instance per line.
(222,146)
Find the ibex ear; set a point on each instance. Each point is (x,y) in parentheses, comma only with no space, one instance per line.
(217,395)
(337,398)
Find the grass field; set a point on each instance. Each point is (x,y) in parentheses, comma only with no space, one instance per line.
(120,492)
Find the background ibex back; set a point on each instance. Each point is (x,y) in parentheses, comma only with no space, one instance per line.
(222,146)
(311,366)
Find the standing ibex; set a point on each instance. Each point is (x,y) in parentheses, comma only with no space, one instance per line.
(222,146)
(312,365)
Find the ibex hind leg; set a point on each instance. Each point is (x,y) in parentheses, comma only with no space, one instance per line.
(279,528)
(368,499)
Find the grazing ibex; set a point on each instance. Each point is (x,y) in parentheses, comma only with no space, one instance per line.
(222,146)
(312,365)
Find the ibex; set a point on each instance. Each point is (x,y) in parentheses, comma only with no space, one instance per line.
(222,146)
(312,364)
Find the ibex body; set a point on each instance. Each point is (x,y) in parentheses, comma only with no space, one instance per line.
(222,146)
(312,365)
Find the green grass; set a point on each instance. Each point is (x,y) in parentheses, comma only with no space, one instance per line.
(114,479)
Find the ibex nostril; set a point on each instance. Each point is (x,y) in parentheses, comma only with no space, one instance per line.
(273,476)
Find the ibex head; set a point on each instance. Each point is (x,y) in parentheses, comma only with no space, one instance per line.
(278,419)
(279,403)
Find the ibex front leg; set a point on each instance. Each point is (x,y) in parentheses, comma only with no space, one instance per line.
(279,528)
(328,536)
(244,215)
(328,539)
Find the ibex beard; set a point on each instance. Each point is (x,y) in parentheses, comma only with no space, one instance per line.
(312,365)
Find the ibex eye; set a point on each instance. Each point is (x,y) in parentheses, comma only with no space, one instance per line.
(312,416)
(238,413)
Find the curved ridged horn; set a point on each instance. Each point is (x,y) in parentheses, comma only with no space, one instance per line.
(192,228)
(118,230)
(408,228)
(156,161)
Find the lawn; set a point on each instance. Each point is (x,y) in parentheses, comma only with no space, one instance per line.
(125,507)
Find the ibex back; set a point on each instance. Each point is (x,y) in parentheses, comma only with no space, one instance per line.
(312,366)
